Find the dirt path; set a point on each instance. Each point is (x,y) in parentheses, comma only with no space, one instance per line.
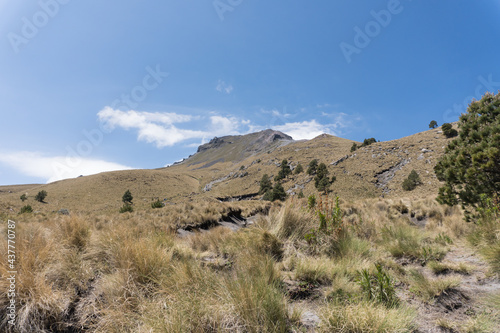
(461,304)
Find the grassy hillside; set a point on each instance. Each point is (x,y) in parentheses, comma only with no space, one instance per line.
(380,259)
(234,165)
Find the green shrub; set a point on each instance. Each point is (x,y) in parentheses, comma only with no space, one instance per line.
(277,193)
(157,204)
(127,197)
(433,124)
(126,208)
(354,147)
(298,169)
(311,201)
(448,130)
(41,196)
(26,209)
(23,197)
(367,142)
(284,171)
(410,183)
(265,184)
(321,180)
(313,165)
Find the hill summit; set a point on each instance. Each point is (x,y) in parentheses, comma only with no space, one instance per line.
(236,148)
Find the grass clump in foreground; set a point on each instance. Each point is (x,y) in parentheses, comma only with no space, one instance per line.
(131,273)
(428,288)
(367,317)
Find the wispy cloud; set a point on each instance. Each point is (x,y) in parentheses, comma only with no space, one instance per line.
(305,129)
(53,168)
(161,130)
(223,87)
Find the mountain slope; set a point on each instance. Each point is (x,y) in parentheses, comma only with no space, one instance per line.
(233,166)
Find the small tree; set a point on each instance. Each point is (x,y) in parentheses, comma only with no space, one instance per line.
(433,124)
(367,142)
(321,181)
(265,184)
(412,181)
(279,192)
(448,130)
(298,169)
(354,147)
(284,171)
(276,193)
(41,196)
(127,197)
(126,208)
(23,197)
(313,165)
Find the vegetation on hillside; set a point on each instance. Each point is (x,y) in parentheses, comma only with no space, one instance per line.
(413,180)
(366,142)
(40,196)
(352,264)
(321,181)
(470,172)
(448,130)
(470,165)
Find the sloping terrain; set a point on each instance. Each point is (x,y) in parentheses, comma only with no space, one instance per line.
(232,166)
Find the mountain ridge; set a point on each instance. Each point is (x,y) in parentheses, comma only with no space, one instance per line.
(232,166)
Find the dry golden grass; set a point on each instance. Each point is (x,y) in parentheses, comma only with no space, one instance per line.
(367,317)
(131,273)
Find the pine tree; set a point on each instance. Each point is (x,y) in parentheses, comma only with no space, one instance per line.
(313,165)
(41,196)
(410,183)
(265,184)
(127,197)
(279,192)
(321,180)
(298,169)
(470,164)
(433,124)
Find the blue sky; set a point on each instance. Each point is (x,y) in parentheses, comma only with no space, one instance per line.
(90,86)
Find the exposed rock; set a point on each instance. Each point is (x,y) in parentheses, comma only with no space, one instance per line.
(63,211)
(340,160)
(385,176)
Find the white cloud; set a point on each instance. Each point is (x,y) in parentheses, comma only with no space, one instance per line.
(224,87)
(304,130)
(56,167)
(224,126)
(159,128)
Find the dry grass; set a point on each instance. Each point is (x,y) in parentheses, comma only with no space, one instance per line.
(429,288)
(367,317)
(131,273)
(444,268)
